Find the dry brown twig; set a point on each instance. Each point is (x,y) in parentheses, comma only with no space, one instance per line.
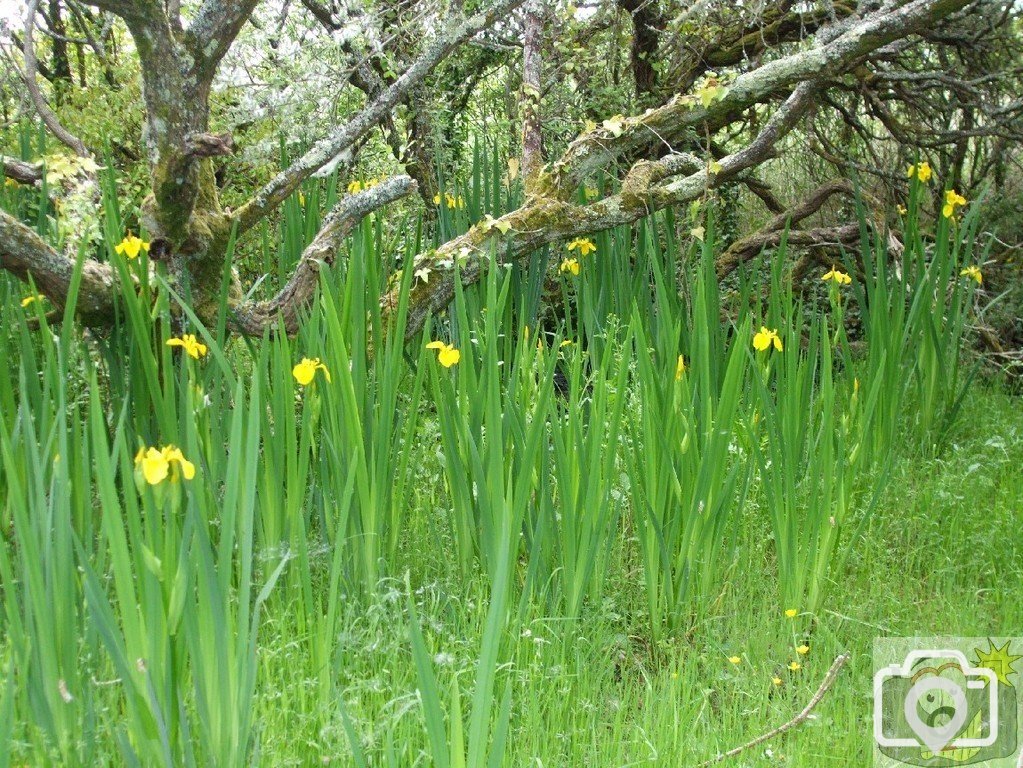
(829,680)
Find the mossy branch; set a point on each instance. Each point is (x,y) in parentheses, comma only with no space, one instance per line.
(27,256)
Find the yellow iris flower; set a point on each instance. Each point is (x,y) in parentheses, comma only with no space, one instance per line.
(131,246)
(192,346)
(447,355)
(570,265)
(765,337)
(839,277)
(952,200)
(973,273)
(305,371)
(921,171)
(157,464)
(584,245)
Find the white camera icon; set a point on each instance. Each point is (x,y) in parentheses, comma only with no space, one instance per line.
(955,709)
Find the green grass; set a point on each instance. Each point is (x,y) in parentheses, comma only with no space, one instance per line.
(942,553)
(403,563)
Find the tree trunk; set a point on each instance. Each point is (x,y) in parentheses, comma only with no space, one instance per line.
(60,64)
(532,138)
(647,24)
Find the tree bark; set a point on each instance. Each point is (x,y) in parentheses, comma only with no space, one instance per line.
(60,63)
(647,23)
(27,256)
(532,88)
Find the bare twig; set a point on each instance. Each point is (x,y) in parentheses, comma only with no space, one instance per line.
(829,680)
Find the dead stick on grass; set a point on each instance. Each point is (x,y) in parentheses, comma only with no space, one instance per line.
(829,680)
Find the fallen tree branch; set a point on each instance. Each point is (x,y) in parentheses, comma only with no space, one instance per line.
(20,171)
(749,246)
(543,220)
(284,310)
(27,256)
(829,680)
(818,237)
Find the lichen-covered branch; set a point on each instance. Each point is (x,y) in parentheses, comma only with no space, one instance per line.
(655,128)
(214,29)
(27,256)
(286,182)
(284,310)
(649,186)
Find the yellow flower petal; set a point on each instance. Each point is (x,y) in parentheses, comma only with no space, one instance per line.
(449,356)
(680,367)
(155,466)
(305,371)
(187,468)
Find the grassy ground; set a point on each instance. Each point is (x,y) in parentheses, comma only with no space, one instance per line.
(941,556)
(403,559)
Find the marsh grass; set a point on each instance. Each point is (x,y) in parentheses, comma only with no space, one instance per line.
(545,552)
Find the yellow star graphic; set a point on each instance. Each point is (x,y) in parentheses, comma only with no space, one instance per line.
(998,660)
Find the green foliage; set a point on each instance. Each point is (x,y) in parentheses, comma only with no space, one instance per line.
(524,509)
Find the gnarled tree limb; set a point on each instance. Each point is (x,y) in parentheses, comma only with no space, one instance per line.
(47,115)
(543,220)
(27,256)
(600,148)
(20,171)
(748,247)
(283,311)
